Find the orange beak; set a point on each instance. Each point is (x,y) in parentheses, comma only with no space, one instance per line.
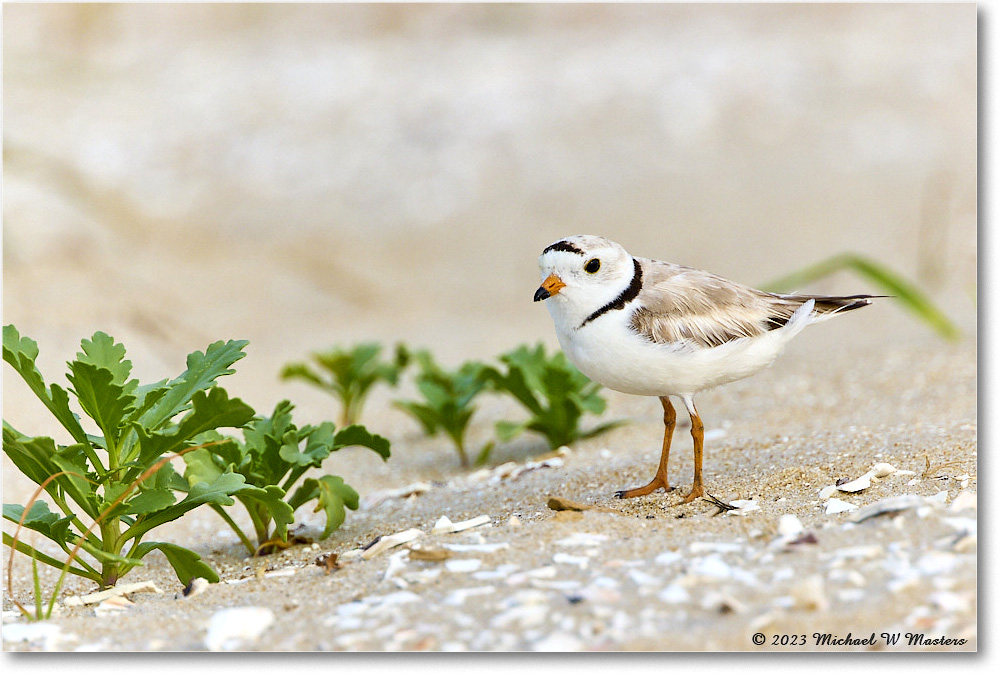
(551,286)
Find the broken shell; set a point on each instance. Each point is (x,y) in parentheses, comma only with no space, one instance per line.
(445,526)
(886,506)
(963,500)
(396,563)
(411,490)
(567,559)
(668,558)
(116,603)
(789,525)
(835,505)
(463,565)
(196,587)
(675,594)
(430,554)
(883,469)
(862,482)
(478,548)
(229,628)
(743,507)
(809,594)
(121,589)
(460,595)
(391,541)
(583,539)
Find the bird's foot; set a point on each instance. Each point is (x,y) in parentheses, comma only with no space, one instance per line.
(657,482)
(697,490)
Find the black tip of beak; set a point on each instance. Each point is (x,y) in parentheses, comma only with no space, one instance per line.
(541,294)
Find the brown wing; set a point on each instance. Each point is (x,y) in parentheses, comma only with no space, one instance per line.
(682,303)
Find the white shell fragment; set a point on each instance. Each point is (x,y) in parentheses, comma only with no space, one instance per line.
(478,548)
(583,539)
(117,591)
(49,635)
(460,595)
(789,525)
(964,500)
(862,482)
(743,507)
(445,526)
(580,561)
(391,541)
(809,594)
(835,505)
(463,565)
(890,505)
(411,490)
(229,629)
(883,469)
(196,587)
(113,605)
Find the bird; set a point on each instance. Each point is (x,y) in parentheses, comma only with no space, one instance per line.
(652,328)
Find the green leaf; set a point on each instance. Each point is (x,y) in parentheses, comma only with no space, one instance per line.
(20,353)
(101,351)
(552,389)
(483,455)
(101,398)
(508,431)
(201,466)
(218,491)
(209,411)
(37,458)
(41,519)
(332,495)
(358,435)
(150,501)
(202,371)
(886,279)
(186,563)
(271,498)
(426,415)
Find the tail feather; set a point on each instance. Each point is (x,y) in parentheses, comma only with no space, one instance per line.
(829,304)
(824,306)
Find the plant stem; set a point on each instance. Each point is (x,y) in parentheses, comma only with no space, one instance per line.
(38,588)
(236,528)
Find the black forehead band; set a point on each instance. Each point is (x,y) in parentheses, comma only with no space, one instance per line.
(563,245)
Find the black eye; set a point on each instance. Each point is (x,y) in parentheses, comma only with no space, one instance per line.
(592,266)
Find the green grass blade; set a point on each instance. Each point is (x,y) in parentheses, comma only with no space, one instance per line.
(881,276)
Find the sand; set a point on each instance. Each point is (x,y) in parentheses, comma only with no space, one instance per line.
(406,212)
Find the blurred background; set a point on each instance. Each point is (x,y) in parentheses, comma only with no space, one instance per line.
(307,175)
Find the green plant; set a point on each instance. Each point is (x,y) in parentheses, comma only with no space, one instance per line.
(349,374)
(447,404)
(553,391)
(894,284)
(121,480)
(271,459)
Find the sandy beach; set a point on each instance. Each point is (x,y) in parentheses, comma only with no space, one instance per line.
(392,174)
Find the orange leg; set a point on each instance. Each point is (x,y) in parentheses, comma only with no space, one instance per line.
(698,434)
(660,479)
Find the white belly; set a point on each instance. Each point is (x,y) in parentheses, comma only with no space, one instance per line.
(609,352)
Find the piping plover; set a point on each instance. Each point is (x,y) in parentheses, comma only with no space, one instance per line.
(655,328)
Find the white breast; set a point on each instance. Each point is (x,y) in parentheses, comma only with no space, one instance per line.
(608,351)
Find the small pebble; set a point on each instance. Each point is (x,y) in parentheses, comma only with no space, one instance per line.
(230,629)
